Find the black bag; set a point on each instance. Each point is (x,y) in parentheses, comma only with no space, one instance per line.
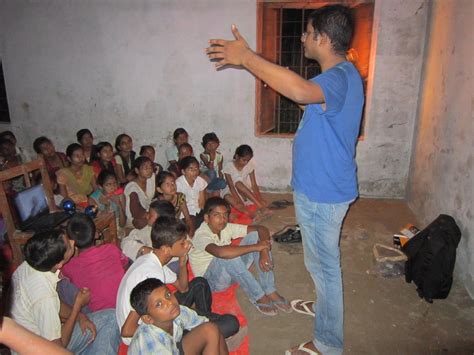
(431,258)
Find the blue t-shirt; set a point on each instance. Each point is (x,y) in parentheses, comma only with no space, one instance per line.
(324,167)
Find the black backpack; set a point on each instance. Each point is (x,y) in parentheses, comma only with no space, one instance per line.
(431,257)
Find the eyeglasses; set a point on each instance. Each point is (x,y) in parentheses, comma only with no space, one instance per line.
(305,35)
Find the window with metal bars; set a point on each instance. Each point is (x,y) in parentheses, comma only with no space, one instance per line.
(280,26)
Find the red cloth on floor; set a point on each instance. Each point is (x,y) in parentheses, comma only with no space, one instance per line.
(242,218)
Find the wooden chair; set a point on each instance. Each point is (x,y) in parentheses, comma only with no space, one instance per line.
(18,238)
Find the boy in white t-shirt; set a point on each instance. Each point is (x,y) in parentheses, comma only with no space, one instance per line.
(222,264)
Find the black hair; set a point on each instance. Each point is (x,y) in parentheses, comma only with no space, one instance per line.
(185,145)
(82,132)
(45,249)
(81,229)
(141,292)
(209,137)
(119,139)
(166,231)
(187,161)
(104,176)
(141,161)
(163,208)
(336,22)
(143,148)
(39,142)
(4,140)
(6,134)
(71,148)
(243,150)
(161,177)
(102,145)
(177,132)
(213,203)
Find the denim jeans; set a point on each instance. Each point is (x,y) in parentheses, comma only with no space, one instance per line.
(221,273)
(320,225)
(216,183)
(107,339)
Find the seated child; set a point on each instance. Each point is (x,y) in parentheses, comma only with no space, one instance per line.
(139,193)
(242,185)
(86,140)
(193,186)
(168,237)
(77,181)
(149,152)
(98,268)
(222,264)
(164,321)
(180,136)
(212,162)
(104,160)
(125,156)
(109,196)
(166,189)
(22,153)
(37,306)
(184,150)
(138,242)
(53,160)
(11,159)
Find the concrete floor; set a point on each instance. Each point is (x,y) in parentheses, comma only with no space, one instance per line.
(382,315)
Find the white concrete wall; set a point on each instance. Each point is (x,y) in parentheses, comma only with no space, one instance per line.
(139,67)
(442,173)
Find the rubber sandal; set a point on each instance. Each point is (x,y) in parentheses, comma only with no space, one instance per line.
(273,312)
(278,304)
(306,305)
(303,350)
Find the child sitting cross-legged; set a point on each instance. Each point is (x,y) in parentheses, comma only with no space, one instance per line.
(222,264)
(164,321)
(169,240)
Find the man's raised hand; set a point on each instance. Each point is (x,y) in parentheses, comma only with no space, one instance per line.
(229,52)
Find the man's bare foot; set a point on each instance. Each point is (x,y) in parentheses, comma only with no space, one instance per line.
(265,306)
(303,349)
(280,302)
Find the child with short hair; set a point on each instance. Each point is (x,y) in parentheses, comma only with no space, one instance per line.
(169,240)
(184,150)
(11,159)
(221,263)
(164,321)
(99,268)
(193,186)
(212,162)
(109,196)
(125,155)
(167,191)
(77,181)
(180,136)
(86,140)
(24,155)
(242,187)
(138,241)
(149,151)
(139,193)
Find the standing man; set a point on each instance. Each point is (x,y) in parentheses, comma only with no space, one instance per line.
(324,171)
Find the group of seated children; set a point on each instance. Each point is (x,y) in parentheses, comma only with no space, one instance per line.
(83,296)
